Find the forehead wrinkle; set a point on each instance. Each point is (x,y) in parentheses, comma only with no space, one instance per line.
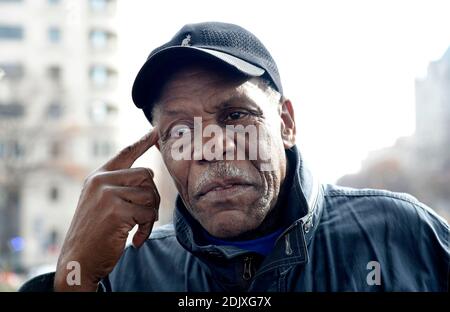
(223,92)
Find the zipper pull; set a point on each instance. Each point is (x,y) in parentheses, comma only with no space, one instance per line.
(288,249)
(247,275)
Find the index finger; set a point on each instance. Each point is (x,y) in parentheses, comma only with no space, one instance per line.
(126,157)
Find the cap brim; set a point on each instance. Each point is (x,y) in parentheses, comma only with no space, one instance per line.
(143,87)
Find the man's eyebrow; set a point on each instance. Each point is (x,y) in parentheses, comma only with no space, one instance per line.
(174,112)
(238,100)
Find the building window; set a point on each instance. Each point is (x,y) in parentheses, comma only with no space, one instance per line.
(12,71)
(54,73)
(54,34)
(53,194)
(98,38)
(53,241)
(100,5)
(17,149)
(8,32)
(54,110)
(101,149)
(55,149)
(12,110)
(11,149)
(100,111)
(101,75)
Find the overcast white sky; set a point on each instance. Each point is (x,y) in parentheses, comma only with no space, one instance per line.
(348,66)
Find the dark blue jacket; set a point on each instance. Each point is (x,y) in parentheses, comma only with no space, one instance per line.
(336,239)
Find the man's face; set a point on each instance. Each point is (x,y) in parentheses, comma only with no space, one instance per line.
(228,196)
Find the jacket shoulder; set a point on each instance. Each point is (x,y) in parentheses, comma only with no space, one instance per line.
(407,237)
(382,203)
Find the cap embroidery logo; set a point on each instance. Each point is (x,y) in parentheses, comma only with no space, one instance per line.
(186,41)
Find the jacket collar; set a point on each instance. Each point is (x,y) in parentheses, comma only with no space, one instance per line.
(304,206)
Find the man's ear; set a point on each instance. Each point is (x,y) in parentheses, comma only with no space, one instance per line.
(287,124)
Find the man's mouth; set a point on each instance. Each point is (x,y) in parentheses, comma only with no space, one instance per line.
(221,188)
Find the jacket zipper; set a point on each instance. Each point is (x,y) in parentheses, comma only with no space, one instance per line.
(247,275)
(288,229)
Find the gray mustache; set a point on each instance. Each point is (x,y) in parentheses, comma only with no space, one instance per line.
(220,170)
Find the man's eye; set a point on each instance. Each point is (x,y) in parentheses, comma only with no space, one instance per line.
(236,115)
(179,130)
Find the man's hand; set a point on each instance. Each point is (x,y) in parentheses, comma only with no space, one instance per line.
(114,199)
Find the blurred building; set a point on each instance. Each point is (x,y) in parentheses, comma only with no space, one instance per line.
(58,118)
(432,135)
(420,164)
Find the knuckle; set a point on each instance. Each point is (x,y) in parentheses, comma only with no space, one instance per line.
(116,211)
(107,192)
(129,150)
(150,215)
(156,196)
(146,173)
(89,176)
(152,197)
(155,201)
(94,180)
(148,200)
(150,173)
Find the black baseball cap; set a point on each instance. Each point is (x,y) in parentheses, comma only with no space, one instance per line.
(230,45)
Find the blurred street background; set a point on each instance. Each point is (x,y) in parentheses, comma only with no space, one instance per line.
(370,83)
